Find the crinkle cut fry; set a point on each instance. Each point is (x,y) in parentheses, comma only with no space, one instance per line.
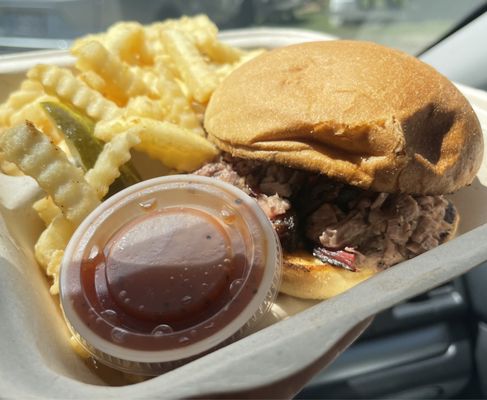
(163,86)
(33,112)
(199,28)
(121,82)
(37,157)
(175,146)
(52,270)
(62,83)
(28,92)
(143,106)
(195,72)
(127,40)
(115,153)
(46,209)
(55,237)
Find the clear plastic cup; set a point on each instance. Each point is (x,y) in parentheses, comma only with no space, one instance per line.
(168,270)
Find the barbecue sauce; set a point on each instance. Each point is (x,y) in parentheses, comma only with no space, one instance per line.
(168,270)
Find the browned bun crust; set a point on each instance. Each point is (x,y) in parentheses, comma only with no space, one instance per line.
(359,112)
(306,277)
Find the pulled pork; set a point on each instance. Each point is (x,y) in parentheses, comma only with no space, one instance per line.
(342,225)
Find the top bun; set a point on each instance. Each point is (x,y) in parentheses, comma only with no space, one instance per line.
(359,112)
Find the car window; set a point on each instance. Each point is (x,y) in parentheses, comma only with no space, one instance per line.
(410,25)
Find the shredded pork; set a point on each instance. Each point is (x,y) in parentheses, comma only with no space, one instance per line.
(341,224)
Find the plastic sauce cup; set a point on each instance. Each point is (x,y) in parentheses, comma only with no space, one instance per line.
(167,270)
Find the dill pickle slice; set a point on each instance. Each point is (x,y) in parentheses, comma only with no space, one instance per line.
(78,131)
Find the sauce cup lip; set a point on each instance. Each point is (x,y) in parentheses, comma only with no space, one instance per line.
(270,279)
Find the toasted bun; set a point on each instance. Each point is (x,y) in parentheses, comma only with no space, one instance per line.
(359,112)
(306,277)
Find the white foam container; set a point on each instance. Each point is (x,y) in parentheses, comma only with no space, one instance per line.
(36,361)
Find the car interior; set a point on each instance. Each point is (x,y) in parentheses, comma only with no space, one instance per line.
(433,346)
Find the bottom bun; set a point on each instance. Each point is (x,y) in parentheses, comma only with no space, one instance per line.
(306,277)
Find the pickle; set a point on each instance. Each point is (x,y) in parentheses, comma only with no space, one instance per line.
(78,131)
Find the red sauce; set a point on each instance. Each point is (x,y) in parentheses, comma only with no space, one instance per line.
(169,277)
(157,272)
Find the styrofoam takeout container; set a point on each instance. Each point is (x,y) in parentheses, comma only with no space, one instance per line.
(37,362)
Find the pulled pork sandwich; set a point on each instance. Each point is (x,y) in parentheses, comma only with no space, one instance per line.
(349,148)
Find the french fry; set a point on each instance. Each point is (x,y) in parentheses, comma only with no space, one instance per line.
(143,87)
(127,40)
(174,146)
(222,71)
(46,209)
(142,106)
(28,92)
(98,37)
(115,153)
(93,80)
(52,270)
(121,83)
(33,112)
(37,157)
(154,44)
(62,83)
(9,168)
(179,114)
(176,107)
(193,69)
(199,28)
(220,52)
(55,237)
(203,33)
(149,76)
(79,137)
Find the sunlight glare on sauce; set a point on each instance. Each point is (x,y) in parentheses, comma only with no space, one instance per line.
(109,315)
(118,335)
(228,215)
(94,252)
(162,329)
(235,286)
(151,264)
(148,205)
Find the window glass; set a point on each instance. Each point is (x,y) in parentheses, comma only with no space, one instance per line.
(410,25)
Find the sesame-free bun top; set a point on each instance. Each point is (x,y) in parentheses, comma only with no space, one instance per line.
(359,112)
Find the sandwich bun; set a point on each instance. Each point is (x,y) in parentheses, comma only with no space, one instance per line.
(358,112)
(362,113)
